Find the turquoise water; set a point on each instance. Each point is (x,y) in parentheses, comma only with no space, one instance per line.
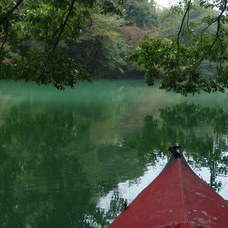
(70,158)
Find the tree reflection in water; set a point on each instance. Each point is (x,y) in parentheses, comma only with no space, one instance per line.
(53,175)
(201,131)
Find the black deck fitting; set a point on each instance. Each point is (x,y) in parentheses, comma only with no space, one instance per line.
(124,207)
(175,150)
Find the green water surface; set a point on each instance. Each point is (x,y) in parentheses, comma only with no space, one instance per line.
(70,158)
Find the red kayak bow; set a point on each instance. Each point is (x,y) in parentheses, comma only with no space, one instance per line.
(177,198)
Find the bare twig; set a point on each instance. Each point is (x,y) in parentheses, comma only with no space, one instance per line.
(5,16)
(5,38)
(211,23)
(182,23)
(63,24)
(216,35)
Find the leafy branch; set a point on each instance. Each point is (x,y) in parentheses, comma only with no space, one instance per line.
(182,22)
(216,37)
(31,32)
(179,61)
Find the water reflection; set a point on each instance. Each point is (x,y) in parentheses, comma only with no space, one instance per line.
(203,134)
(71,162)
(201,131)
(52,172)
(39,176)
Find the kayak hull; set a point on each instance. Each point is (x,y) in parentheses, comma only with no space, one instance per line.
(177,198)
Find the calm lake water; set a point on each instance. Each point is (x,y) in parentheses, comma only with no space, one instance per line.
(70,158)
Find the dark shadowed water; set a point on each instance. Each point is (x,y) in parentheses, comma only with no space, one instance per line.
(70,158)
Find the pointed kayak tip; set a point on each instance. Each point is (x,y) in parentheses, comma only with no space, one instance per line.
(175,150)
(177,198)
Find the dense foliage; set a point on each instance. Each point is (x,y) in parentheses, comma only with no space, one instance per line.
(62,42)
(201,43)
(35,37)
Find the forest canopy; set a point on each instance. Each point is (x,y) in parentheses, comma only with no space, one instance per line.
(62,42)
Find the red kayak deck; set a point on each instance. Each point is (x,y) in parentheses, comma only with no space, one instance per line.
(177,198)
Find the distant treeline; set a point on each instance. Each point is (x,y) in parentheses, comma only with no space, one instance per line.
(104,47)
